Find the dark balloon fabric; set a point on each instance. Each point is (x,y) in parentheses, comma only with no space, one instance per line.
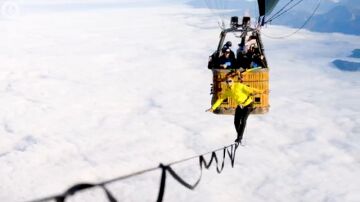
(266,6)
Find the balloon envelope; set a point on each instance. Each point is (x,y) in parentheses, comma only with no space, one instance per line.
(266,6)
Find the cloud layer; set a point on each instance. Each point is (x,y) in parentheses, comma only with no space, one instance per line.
(91,95)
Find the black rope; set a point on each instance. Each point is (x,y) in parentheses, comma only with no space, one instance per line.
(79,187)
(110,197)
(230,150)
(300,28)
(162,183)
(202,164)
(129,176)
(282,11)
(72,190)
(181,181)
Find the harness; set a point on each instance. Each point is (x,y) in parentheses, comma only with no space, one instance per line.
(246,100)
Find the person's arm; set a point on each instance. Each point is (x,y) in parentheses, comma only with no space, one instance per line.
(257,91)
(215,105)
(218,102)
(252,90)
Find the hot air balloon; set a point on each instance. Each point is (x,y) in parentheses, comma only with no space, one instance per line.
(250,65)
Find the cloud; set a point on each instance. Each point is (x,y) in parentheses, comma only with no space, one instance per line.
(88,96)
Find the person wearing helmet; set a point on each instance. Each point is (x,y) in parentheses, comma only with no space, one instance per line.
(214,59)
(228,45)
(225,61)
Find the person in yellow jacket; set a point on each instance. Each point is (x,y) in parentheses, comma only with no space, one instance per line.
(242,94)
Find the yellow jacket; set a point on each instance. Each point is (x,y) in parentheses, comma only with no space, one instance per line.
(241,93)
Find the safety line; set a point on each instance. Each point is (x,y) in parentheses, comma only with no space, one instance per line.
(165,168)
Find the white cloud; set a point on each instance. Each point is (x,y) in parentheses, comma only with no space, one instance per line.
(88,96)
